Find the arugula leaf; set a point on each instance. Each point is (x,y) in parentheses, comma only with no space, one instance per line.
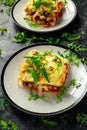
(8,10)
(35,96)
(1,93)
(74,83)
(34,74)
(1,10)
(7,2)
(4,103)
(44,73)
(38,3)
(29,22)
(0,52)
(38,65)
(76,47)
(70,37)
(61,94)
(8,125)
(49,122)
(71,56)
(3,30)
(81,118)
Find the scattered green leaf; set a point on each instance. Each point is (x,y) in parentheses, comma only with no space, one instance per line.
(4,103)
(1,10)
(70,37)
(38,67)
(35,96)
(7,2)
(8,125)
(71,56)
(76,47)
(0,52)
(30,23)
(2,30)
(8,10)
(61,94)
(81,118)
(49,122)
(74,83)
(34,74)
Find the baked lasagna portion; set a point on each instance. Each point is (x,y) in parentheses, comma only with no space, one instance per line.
(43,71)
(44,12)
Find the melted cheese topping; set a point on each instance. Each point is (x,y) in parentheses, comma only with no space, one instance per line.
(56,67)
(44,12)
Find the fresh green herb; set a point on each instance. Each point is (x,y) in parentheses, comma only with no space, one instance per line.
(49,122)
(4,103)
(38,3)
(1,93)
(7,2)
(44,73)
(61,94)
(48,52)
(8,125)
(8,10)
(35,96)
(81,118)
(0,52)
(74,83)
(71,56)
(39,67)
(70,37)
(76,47)
(84,60)
(30,23)
(34,74)
(21,37)
(3,30)
(1,10)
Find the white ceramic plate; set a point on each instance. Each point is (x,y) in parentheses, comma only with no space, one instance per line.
(19,96)
(18,16)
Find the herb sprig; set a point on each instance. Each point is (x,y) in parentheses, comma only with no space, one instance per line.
(2,30)
(49,122)
(0,52)
(8,125)
(61,94)
(29,22)
(81,118)
(23,37)
(35,96)
(37,65)
(74,83)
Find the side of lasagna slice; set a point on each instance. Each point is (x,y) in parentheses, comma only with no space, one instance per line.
(43,71)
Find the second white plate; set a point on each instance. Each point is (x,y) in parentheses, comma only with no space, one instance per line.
(18,16)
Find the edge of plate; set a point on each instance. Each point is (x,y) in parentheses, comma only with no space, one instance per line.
(40,31)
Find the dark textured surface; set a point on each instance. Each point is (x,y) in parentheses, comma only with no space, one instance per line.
(67,120)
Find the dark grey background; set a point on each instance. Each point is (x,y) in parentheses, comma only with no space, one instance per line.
(67,120)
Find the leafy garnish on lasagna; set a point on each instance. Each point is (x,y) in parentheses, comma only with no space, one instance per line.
(43,71)
(44,12)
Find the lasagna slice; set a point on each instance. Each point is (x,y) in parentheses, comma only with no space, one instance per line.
(44,12)
(43,71)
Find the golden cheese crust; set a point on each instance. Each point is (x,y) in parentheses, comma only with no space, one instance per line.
(52,71)
(44,12)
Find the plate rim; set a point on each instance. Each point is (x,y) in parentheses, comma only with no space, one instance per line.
(28,111)
(40,31)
